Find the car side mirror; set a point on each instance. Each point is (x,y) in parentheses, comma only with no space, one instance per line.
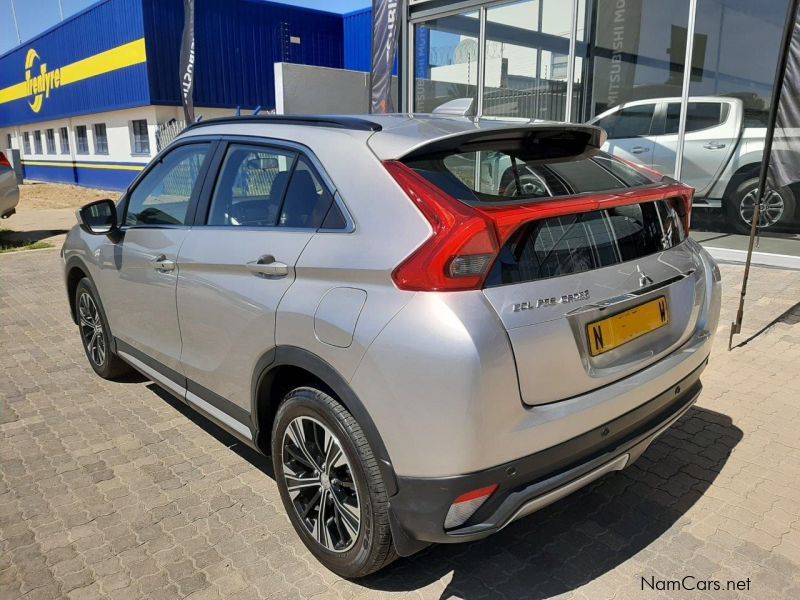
(99,218)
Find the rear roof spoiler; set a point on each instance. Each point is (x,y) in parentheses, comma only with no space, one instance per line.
(563,139)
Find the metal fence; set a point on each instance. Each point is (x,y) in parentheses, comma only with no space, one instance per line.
(167,132)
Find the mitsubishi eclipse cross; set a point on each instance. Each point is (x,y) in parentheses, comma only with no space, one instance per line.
(434,325)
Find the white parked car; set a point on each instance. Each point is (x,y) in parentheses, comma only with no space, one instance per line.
(722,153)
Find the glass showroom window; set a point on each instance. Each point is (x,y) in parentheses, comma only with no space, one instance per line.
(141,140)
(50,140)
(100,139)
(37,142)
(63,136)
(734,56)
(26,142)
(527,59)
(82,139)
(446,59)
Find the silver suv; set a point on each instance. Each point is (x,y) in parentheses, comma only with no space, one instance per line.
(435,326)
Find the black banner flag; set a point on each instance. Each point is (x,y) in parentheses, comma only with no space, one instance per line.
(187,61)
(386,18)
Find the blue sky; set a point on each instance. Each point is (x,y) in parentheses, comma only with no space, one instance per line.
(34,16)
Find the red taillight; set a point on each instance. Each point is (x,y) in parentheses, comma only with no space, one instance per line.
(466,240)
(462,248)
(4,161)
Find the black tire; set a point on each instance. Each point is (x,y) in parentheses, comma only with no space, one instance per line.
(96,341)
(371,548)
(781,205)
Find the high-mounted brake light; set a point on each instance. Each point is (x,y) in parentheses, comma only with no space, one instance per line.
(465,506)
(4,161)
(462,248)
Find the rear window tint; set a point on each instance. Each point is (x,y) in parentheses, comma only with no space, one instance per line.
(491,176)
(575,243)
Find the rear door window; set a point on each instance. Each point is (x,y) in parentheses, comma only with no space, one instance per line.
(630,122)
(307,199)
(699,115)
(250,188)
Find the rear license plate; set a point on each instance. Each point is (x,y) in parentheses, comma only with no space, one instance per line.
(613,332)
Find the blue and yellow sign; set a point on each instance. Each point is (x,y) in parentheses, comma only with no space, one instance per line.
(41,80)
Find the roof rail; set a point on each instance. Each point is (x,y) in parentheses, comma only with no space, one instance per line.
(344,122)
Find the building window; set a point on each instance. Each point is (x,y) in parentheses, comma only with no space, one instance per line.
(50,140)
(81,139)
(26,142)
(8,140)
(141,140)
(37,142)
(63,135)
(100,139)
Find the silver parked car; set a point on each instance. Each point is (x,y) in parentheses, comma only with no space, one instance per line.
(435,326)
(9,190)
(722,153)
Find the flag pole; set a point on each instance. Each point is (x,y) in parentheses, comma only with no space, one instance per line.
(788,29)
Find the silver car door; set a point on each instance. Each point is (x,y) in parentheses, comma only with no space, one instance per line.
(265,206)
(140,270)
(712,132)
(629,132)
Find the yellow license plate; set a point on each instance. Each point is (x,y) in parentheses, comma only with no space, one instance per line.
(610,333)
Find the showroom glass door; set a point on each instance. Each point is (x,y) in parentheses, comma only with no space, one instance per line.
(446,63)
(527,59)
(736,51)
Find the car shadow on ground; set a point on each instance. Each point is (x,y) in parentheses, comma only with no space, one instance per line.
(21,238)
(587,534)
(258,460)
(571,542)
(791,316)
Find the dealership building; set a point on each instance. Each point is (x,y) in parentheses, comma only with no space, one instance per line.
(91,100)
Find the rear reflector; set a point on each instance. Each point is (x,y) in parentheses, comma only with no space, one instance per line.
(4,161)
(465,506)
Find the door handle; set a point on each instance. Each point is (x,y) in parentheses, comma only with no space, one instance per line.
(713,146)
(163,265)
(267,266)
(638,150)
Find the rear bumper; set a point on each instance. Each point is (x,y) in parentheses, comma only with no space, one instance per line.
(532,482)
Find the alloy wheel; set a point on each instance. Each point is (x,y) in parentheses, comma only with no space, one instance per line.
(320,482)
(772,208)
(92,329)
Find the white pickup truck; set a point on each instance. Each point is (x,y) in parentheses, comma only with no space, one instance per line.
(722,154)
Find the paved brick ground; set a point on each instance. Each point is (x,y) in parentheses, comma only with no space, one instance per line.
(114,490)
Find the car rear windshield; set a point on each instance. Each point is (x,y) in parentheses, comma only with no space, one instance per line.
(582,242)
(497,176)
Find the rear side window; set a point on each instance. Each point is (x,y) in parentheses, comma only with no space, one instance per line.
(493,176)
(699,115)
(582,242)
(630,122)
